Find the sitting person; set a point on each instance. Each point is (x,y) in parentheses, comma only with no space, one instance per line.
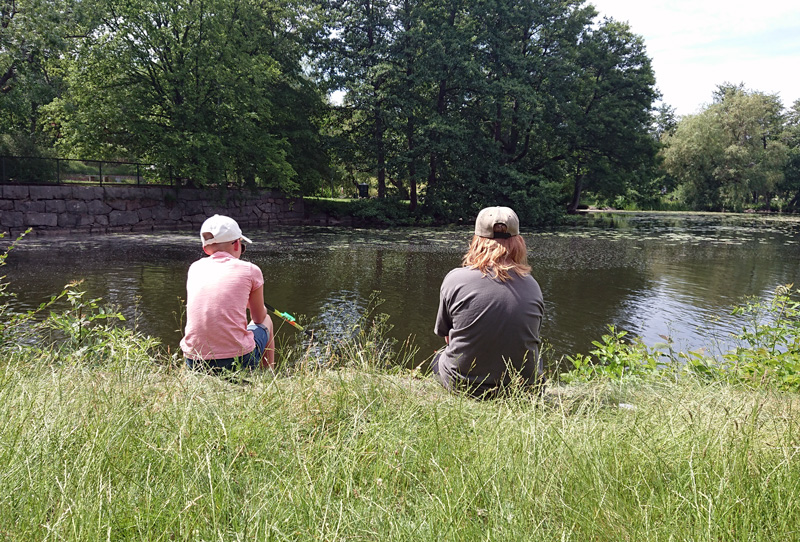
(490,312)
(219,290)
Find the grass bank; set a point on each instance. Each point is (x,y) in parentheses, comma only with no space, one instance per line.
(141,451)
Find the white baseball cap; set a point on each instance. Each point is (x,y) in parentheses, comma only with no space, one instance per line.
(222,229)
(488,217)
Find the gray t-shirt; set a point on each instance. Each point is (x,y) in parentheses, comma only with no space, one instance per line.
(492,325)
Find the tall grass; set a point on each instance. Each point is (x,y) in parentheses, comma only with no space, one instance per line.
(151,452)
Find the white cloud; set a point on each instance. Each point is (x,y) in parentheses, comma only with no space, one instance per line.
(696,45)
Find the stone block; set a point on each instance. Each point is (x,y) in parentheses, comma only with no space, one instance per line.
(245,211)
(191,194)
(55,206)
(6,205)
(88,193)
(76,206)
(143,226)
(121,192)
(98,207)
(145,214)
(29,206)
(117,204)
(176,213)
(195,220)
(122,218)
(14,192)
(41,219)
(152,192)
(67,220)
(12,219)
(48,192)
(193,207)
(213,209)
(101,220)
(160,213)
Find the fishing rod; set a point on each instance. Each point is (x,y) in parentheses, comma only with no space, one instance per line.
(288,318)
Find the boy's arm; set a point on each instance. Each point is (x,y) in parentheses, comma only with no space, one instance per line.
(259,315)
(258,311)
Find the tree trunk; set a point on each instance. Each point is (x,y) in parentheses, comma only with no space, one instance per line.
(380,152)
(572,208)
(440,109)
(794,201)
(412,167)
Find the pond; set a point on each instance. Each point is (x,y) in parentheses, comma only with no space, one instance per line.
(654,275)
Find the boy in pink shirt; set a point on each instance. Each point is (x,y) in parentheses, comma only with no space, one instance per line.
(219,290)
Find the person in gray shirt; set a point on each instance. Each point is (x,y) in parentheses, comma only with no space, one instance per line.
(490,312)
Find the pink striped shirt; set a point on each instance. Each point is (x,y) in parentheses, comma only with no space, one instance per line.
(217,292)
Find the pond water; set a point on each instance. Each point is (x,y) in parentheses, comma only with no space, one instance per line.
(655,275)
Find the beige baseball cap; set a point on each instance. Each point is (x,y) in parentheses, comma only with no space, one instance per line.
(222,229)
(488,217)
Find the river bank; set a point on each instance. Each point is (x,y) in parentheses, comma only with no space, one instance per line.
(139,451)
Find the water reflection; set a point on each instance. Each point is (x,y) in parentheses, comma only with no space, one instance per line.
(654,275)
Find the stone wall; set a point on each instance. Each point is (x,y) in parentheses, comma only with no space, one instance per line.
(50,209)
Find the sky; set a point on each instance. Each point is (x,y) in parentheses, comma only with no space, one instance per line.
(696,45)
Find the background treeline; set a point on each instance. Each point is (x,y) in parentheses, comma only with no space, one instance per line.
(448,104)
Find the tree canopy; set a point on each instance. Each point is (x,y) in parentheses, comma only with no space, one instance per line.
(732,153)
(451,104)
(497,101)
(210,89)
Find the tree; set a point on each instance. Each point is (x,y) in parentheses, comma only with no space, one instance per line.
(490,102)
(791,172)
(355,59)
(34,34)
(609,145)
(211,90)
(665,121)
(730,154)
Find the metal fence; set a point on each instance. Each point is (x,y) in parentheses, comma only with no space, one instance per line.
(43,170)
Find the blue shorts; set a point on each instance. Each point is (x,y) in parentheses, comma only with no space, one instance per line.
(248,361)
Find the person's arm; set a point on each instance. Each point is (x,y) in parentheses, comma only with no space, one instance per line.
(259,315)
(444,323)
(258,310)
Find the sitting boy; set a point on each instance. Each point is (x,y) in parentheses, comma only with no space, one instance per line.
(219,290)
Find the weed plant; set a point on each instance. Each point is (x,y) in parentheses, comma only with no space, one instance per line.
(129,445)
(767,354)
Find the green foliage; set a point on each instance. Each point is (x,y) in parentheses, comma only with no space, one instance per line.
(211,92)
(732,155)
(767,354)
(80,324)
(438,100)
(365,344)
(34,37)
(451,106)
(144,452)
(613,358)
(370,211)
(84,333)
(387,211)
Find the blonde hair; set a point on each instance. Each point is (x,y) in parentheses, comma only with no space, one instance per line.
(496,257)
